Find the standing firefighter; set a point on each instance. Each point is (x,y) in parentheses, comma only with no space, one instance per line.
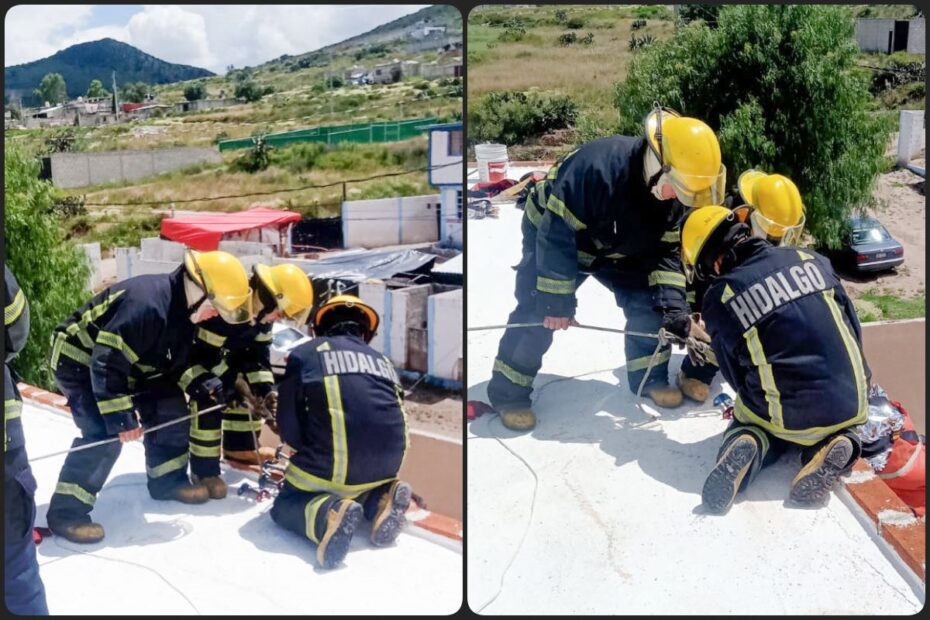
(771,204)
(609,209)
(282,291)
(342,411)
(127,350)
(787,339)
(23,591)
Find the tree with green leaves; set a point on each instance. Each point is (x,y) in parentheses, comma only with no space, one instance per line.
(779,85)
(134,93)
(52,89)
(52,272)
(195,91)
(96,90)
(248,90)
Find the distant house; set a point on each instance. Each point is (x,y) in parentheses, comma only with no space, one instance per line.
(410,68)
(355,75)
(891,35)
(384,73)
(432,42)
(424,29)
(448,68)
(446,153)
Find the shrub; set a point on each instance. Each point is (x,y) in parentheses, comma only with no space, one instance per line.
(567,38)
(193,92)
(777,82)
(575,23)
(637,24)
(128,232)
(587,39)
(257,158)
(513,117)
(513,34)
(561,16)
(51,271)
(248,90)
(638,43)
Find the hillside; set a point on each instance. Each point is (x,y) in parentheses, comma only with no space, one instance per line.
(81,63)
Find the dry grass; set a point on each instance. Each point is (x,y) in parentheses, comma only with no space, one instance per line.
(587,73)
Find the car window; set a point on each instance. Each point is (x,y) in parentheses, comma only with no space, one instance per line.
(870,235)
(286,337)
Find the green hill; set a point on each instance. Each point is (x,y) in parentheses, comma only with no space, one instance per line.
(81,63)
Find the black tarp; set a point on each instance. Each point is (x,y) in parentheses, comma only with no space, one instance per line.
(309,234)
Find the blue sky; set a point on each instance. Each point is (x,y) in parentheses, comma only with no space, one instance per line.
(208,36)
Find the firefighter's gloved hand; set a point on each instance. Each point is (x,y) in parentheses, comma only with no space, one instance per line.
(270,404)
(698,341)
(211,389)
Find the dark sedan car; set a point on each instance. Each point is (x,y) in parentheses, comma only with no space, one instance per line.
(869,247)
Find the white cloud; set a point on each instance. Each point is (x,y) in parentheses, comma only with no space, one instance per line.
(172,34)
(208,36)
(33,32)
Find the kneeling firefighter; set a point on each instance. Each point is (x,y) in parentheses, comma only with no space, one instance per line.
(787,339)
(771,204)
(341,408)
(126,351)
(223,352)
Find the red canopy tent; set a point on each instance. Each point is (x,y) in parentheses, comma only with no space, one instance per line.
(204,231)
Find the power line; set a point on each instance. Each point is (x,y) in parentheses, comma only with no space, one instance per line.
(271,192)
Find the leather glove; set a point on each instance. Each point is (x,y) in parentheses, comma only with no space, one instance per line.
(211,389)
(697,343)
(270,405)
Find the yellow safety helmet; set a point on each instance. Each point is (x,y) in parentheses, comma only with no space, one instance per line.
(349,301)
(689,154)
(224,282)
(290,287)
(777,211)
(702,225)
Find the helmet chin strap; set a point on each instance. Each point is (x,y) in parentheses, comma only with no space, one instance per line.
(191,289)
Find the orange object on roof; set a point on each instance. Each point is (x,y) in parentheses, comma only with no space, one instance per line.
(204,231)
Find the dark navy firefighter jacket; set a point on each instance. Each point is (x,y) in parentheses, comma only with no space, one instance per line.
(223,350)
(133,336)
(594,212)
(341,408)
(15,333)
(787,339)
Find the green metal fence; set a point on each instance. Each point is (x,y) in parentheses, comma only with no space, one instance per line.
(358,133)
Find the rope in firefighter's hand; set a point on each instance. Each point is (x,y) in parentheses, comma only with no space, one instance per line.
(144,432)
(611,330)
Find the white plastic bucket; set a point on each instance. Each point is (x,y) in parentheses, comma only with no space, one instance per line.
(492,162)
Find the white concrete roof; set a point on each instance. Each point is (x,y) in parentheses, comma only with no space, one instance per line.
(453,265)
(223,557)
(610,511)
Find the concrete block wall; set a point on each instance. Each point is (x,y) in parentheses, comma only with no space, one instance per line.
(912,139)
(408,336)
(155,248)
(374,293)
(872,34)
(82,169)
(247,248)
(390,221)
(916,37)
(445,335)
(450,229)
(92,251)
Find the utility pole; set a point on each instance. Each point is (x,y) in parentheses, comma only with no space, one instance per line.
(115,97)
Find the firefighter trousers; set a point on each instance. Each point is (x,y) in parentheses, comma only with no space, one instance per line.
(521,350)
(84,473)
(24,593)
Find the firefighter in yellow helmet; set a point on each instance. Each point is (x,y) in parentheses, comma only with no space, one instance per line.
(788,341)
(609,209)
(342,410)
(240,355)
(771,204)
(123,362)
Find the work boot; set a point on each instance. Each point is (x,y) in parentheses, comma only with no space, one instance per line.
(390,519)
(665,395)
(184,492)
(341,521)
(81,533)
(813,483)
(215,485)
(693,388)
(725,479)
(249,457)
(520,419)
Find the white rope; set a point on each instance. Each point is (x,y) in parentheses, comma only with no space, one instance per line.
(113,439)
